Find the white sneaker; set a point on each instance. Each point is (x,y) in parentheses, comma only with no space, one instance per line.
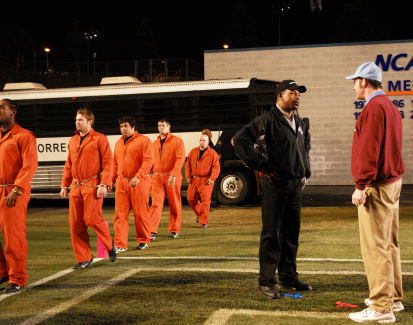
(397,306)
(370,315)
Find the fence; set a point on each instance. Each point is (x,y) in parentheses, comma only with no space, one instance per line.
(55,74)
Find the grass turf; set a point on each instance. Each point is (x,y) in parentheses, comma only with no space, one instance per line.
(159,296)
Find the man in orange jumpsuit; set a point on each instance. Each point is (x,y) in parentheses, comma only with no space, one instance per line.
(87,173)
(18,163)
(133,162)
(169,154)
(201,171)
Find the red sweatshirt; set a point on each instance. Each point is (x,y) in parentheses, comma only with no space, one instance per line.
(377,144)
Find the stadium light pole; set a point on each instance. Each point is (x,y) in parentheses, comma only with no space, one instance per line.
(47,50)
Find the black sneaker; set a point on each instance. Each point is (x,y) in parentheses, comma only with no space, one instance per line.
(269,292)
(113,253)
(142,246)
(295,285)
(173,235)
(83,265)
(5,279)
(153,236)
(197,220)
(121,249)
(203,226)
(13,288)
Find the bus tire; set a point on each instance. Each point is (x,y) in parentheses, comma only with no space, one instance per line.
(234,187)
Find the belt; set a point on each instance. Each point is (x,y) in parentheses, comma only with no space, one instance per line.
(83,183)
(5,185)
(161,173)
(129,179)
(201,176)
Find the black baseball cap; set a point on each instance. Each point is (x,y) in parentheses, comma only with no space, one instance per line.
(289,84)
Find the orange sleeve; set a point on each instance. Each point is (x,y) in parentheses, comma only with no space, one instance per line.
(107,161)
(147,159)
(180,157)
(215,170)
(115,164)
(188,168)
(67,171)
(28,149)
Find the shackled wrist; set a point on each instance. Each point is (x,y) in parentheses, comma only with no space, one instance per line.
(103,185)
(15,190)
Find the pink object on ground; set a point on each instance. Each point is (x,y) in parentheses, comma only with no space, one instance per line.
(102,252)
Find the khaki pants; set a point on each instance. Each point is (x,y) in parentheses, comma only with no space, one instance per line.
(379,228)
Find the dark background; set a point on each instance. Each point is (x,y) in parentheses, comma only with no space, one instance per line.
(130,30)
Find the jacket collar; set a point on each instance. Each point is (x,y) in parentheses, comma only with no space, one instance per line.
(14,129)
(167,136)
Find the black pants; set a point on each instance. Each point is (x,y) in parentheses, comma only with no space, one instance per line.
(281,211)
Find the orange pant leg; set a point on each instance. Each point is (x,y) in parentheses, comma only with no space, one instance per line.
(158,199)
(78,228)
(205,192)
(93,216)
(140,207)
(3,265)
(175,205)
(13,226)
(122,209)
(192,197)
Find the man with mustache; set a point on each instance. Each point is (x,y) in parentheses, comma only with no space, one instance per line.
(277,144)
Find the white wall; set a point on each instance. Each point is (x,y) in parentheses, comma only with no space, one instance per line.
(329,100)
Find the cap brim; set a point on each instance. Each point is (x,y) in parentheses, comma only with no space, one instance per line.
(350,77)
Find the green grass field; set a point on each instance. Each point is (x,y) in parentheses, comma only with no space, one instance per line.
(207,276)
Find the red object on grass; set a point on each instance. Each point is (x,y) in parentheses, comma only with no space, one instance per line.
(340,304)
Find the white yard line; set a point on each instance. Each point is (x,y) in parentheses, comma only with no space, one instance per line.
(74,301)
(215,318)
(229,258)
(240,258)
(46,279)
(221,316)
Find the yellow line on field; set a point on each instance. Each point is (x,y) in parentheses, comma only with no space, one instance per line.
(221,316)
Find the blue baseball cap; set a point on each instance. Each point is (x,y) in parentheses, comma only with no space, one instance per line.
(367,70)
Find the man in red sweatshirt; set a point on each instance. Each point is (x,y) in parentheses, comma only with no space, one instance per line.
(377,166)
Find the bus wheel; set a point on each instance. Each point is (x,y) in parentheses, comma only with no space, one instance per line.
(233,188)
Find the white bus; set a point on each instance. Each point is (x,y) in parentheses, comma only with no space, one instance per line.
(222,106)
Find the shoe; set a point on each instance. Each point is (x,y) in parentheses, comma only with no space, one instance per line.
(142,246)
(113,253)
(397,306)
(204,226)
(295,285)
(173,235)
(83,265)
(5,279)
(197,220)
(13,288)
(121,249)
(153,236)
(370,315)
(269,292)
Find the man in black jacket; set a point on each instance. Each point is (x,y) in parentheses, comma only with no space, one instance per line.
(277,144)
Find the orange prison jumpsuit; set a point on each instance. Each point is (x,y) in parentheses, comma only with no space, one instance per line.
(200,170)
(91,164)
(135,158)
(167,161)
(18,163)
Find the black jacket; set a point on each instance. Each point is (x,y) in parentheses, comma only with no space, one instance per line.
(268,143)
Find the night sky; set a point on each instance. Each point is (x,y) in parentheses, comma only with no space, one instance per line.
(184,29)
